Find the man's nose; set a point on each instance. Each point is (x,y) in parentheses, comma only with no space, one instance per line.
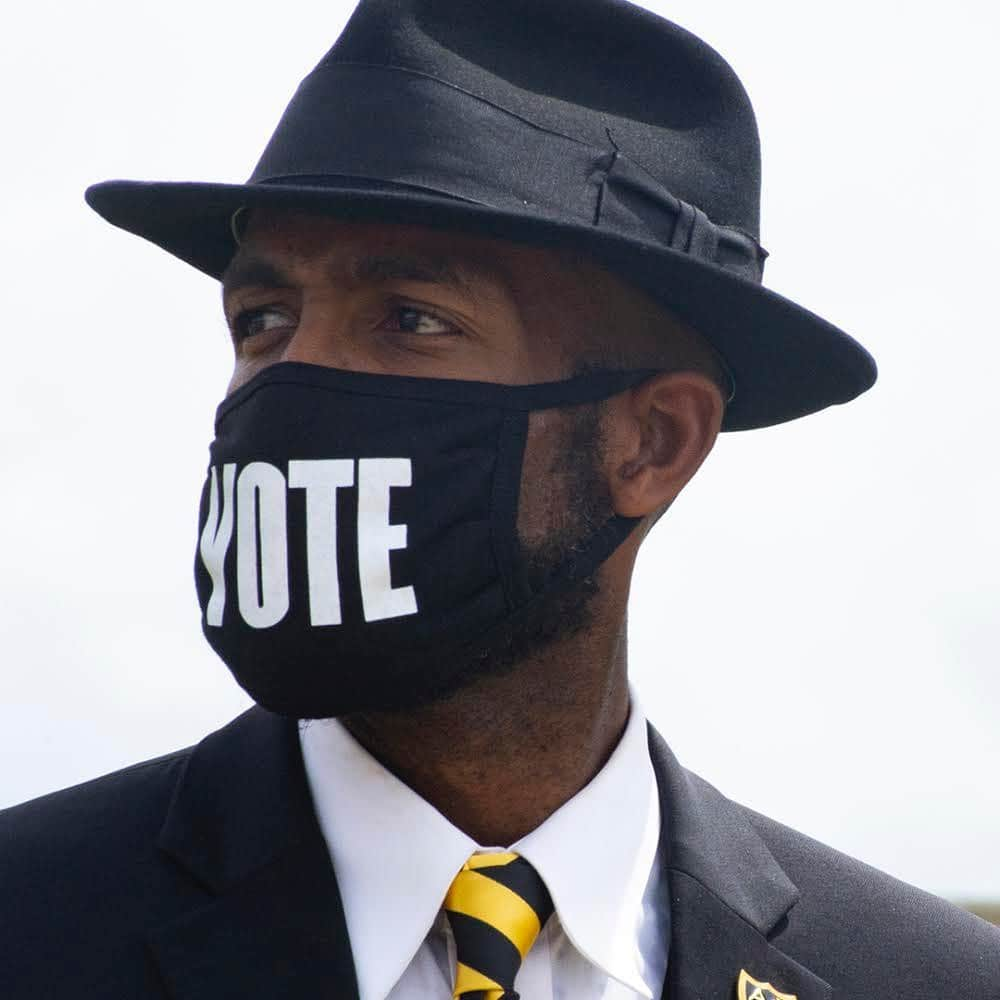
(325,336)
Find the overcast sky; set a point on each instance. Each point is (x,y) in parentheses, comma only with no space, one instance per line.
(815,625)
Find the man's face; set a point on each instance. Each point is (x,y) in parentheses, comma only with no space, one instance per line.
(416,302)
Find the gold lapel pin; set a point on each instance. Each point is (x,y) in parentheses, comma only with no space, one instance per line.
(748,988)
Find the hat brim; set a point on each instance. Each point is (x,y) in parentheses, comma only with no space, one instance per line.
(785,361)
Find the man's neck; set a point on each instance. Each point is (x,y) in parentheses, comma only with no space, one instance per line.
(498,757)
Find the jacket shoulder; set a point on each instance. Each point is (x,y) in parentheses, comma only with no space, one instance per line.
(82,878)
(93,816)
(856,925)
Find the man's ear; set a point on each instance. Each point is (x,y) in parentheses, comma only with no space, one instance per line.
(656,437)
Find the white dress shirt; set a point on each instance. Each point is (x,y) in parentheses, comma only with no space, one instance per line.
(395,856)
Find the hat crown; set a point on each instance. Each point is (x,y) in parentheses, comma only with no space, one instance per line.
(590,124)
(601,71)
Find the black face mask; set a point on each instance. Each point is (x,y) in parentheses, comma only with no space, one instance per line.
(356,528)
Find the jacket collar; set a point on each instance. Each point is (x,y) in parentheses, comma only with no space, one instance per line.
(269,920)
(728,895)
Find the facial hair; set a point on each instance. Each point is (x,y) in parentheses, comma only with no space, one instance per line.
(578,503)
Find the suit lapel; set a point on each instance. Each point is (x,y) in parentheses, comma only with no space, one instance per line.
(242,824)
(728,895)
(710,943)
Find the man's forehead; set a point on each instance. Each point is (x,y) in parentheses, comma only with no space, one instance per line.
(376,251)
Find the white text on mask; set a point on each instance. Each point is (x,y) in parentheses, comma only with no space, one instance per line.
(260,517)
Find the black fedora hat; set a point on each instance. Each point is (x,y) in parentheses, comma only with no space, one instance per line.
(586,123)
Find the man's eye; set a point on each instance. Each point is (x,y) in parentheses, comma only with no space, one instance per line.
(252,322)
(408,319)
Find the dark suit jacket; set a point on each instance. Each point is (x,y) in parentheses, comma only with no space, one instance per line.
(203,875)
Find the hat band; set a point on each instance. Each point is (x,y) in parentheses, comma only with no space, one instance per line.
(398,127)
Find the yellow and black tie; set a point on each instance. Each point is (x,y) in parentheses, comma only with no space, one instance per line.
(496,907)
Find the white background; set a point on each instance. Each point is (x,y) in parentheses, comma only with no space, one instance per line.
(815,625)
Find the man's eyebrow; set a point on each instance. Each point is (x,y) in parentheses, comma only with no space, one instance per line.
(406,267)
(247,269)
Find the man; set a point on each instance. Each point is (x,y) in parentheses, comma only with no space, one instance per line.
(492,297)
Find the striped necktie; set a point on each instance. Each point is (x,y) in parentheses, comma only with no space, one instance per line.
(496,907)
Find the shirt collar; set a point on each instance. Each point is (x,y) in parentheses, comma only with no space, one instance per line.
(387,843)
(595,854)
